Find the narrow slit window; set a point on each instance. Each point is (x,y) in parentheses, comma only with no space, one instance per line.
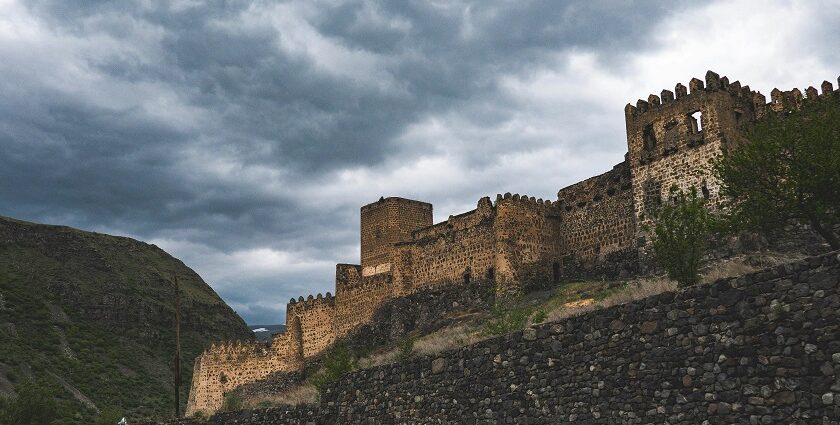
(555,268)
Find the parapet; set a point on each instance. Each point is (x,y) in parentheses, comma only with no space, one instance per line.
(530,201)
(712,83)
(395,200)
(595,189)
(311,302)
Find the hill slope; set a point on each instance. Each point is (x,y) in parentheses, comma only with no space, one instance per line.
(93,316)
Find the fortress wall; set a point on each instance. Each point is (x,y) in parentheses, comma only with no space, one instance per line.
(223,367)
(315,316)
(356,299)
(458,250)
(760,348)
(597,214)
(526,232)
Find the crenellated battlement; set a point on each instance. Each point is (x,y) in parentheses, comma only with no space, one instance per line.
(595,229)
(539,203)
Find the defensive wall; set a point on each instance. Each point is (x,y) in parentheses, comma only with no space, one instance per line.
(595,228)
(760,348)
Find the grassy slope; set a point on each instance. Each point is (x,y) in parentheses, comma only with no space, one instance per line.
(93,314)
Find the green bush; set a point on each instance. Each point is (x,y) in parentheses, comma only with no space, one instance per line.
(540,316)
(682,227)
(233,401)
(406,347)
(507,319)
(338,361)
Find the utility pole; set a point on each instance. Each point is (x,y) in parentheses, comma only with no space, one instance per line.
(177,349)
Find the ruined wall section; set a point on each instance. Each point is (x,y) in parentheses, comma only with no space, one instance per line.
(527,239)
(458,250)
(226,366)
(357,298)
(673,139)
(385,223)
(316,316)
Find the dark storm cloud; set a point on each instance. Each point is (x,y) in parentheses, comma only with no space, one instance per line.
(199,124)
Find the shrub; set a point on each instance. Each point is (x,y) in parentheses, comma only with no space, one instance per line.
(507,319)
(406,347)
(682,226)
(233,401)
(540,316)
(337,362)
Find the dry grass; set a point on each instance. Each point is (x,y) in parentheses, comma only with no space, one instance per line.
(380,358)
(741,265)
(633,291)
(447,338)
(295,396)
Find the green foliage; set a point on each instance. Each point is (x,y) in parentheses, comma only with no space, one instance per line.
(112,363)
(34,404)
(539,316)
(338,361)
(233,401)
(682,227)
(787,168)
(109,416)
(199,414)
(507,318)
(406,347)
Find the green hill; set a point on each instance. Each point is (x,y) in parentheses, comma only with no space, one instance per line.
(92,316)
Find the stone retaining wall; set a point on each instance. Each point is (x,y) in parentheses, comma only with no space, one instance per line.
(762,348)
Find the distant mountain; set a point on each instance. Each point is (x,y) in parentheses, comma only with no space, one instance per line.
(264,332)
(92,315)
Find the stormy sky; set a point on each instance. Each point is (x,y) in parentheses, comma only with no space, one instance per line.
(243,136)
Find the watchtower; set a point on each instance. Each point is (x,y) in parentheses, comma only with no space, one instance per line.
(673,138)
(385,223)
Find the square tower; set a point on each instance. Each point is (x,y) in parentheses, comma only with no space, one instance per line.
(673,139)
(385,223)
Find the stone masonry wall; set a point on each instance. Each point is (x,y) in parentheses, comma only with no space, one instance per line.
(356,303)
(316,316)
(459,249)
(762,348)
(527,241)
(226,366)
(598,223)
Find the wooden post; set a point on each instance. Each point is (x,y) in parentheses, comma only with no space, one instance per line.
(177,349)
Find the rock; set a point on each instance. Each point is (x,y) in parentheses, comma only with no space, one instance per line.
(648,327)
(529,334)
(438,365)
(828,398)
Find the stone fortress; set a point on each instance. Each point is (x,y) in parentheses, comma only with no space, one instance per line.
(595,228)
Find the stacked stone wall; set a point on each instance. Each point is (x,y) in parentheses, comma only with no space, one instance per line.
(356,304)
(461,249)
(316,317)
(762,348)
(527,242)
(226,366)
(598,224)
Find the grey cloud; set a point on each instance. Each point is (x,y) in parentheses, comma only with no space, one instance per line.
(66,156)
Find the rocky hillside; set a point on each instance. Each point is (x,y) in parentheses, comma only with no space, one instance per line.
(92,316)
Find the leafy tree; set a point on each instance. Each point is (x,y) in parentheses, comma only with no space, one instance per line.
(787,168)
(34,404)
(682,227)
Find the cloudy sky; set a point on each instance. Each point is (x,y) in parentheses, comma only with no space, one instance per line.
(243,136)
